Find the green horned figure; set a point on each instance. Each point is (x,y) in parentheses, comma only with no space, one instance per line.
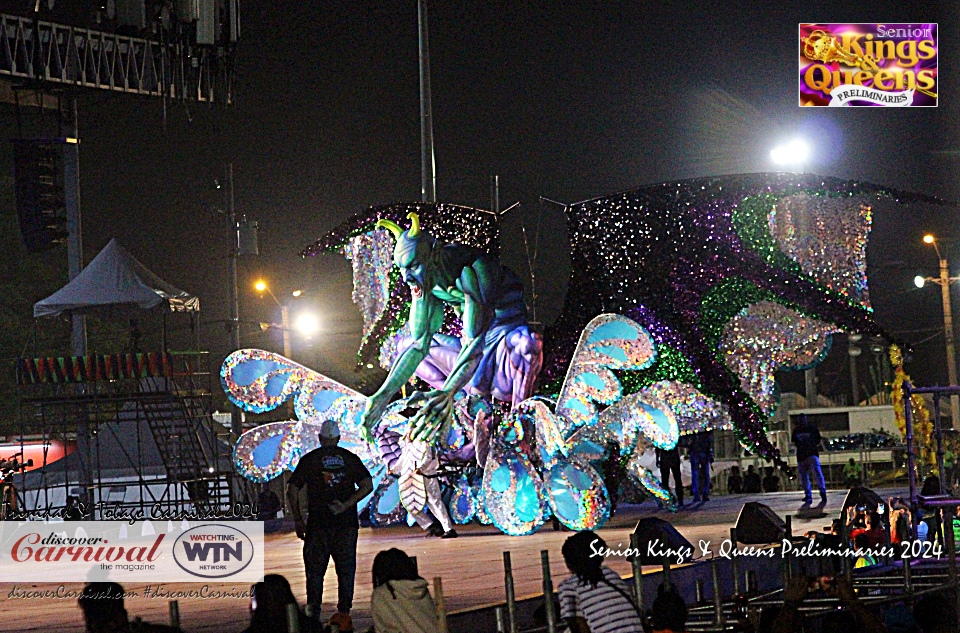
(496,356)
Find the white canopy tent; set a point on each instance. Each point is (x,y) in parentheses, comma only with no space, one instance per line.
(114,279)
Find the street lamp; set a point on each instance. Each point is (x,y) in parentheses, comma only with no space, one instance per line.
(945,280)
(261,286)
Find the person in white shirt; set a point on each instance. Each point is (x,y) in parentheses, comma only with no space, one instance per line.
(401,601)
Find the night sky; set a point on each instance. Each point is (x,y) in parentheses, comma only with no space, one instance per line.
(562,102)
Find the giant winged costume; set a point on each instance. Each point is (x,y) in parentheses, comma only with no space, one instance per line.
(684,300)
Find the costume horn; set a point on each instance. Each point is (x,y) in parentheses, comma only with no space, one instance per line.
(414,225)
(390,226)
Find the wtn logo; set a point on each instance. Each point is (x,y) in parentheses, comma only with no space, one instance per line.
(221,551)
(215,550)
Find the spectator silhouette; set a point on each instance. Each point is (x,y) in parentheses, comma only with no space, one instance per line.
(669,612)
(268,607)
(874,533)
(751,481)
(790,620)
(735,481)
(931,611)
(401,601)
(771,483)
(104,611)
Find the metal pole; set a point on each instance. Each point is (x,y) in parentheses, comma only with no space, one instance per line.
(548,592)
(948,334)
(495,193)
(293,618)
(428,173)
(810,387)
(236,419)
(71,201)
(911,458)
(174,614)
(441,604)
(717,596)
(637,571)
(511,594)
(285,324)
(499,615)
(938,435)
(788,520)
(854,386)
(735,563)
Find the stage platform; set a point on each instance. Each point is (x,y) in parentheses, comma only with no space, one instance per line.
(471,566)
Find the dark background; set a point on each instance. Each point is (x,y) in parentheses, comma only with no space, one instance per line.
(563,100)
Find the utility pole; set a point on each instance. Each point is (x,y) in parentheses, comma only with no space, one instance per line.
(428,172)
(236,417)
(948,334)
(945,280)
(71,199)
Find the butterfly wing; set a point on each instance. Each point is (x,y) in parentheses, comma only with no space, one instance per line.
(609,342)
(266,451)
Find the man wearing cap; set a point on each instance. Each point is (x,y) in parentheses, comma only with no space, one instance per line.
(336,480)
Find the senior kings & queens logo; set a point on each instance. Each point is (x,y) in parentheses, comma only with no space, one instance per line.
(868,65)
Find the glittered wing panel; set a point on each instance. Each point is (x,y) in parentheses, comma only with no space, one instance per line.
(827,237)
(651,484)
(765,337)
(259,381)
(577,495)
(693,411)
(609,342)
(266,451)
(641,416)
(513,495)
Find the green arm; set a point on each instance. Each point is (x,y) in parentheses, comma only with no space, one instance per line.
(426,318)
(475,283)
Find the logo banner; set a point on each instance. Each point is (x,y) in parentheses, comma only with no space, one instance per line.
(868,65)
(847,96)
(118,551)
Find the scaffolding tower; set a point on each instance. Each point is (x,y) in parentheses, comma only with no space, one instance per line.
(151,446)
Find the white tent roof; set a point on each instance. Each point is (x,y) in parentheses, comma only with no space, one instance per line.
(115,278)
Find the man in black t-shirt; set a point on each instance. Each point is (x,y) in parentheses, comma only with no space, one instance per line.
(336,480)
(806,437)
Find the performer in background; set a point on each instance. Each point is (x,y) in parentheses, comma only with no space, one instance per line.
(669,462)
(336,480)
(701,456)
(806,437)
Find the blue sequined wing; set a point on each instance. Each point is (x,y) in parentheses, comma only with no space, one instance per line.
(266,451)
(609,342)
(258,381)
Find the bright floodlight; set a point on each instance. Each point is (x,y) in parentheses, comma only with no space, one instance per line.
(297,293)
(261,285)
(307,324)
(928,239)
(795,152)
(919,281)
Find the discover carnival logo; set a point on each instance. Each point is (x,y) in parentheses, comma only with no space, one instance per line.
(213,551)
(142,551)
(862,65)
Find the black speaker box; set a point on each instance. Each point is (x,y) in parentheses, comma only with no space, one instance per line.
(663,536)
(759,525)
